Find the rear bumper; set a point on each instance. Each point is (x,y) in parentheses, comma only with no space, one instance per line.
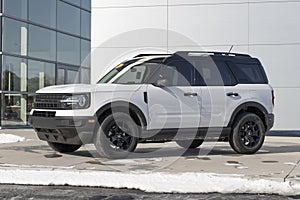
(270,121)
(66,130)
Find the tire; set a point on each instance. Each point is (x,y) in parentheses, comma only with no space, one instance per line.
(117,136)
(63,148)
(248,134)
(189,144)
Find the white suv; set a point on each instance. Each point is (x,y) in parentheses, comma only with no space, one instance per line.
(185,97)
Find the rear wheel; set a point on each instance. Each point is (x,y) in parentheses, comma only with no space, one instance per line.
(117,136)
(190,144)
(63,148)
(248,134)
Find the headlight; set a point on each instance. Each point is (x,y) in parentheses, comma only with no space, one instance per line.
(77,101)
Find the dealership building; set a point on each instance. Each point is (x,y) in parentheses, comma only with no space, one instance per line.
(43,43)
(48,42)
(267,29)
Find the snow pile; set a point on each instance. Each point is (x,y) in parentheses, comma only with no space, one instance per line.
(150,182)
(9,138)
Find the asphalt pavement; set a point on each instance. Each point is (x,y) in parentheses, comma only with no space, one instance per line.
(277,162)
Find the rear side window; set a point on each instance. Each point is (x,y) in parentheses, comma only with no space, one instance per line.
(249,73)
(214,73)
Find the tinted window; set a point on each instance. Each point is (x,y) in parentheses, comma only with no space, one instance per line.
(72,76)
(179,73)
(85,75)
(214,73)
(14,37)
(76,2)
(16,8)
(42,43)
(85,24)
(249,73)
(68,18)
(85,53)
(86,4)
(14,74)
(68,49)
(43,12)
(40,75)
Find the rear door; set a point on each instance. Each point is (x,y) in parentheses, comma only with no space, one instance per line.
(220,92)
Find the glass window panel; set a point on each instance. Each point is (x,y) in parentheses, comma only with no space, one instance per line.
(85,53)
(85,24)
(68,49)
(76,2)
(68,18)
(60,76)
(40,75)
(42,43)
(14,37)
(16,8)
(14,110)
(86,4)
(72,77)
(43,12)
(14,74)
(85,75)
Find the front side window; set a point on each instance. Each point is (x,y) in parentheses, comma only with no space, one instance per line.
(137,74)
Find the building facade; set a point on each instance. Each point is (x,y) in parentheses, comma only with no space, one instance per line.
(43,43)
(267,29)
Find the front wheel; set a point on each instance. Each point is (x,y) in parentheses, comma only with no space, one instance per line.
(117,136)
(63,148)
(190,144)
(248,134)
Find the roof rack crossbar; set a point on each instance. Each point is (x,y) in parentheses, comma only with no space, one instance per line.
(186,53)
(143,55)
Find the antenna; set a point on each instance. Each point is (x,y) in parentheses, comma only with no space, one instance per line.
(230,48)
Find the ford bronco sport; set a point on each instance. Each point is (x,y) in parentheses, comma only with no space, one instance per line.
(185,97)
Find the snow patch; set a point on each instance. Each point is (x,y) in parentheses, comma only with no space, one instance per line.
(9,138)
(161,182)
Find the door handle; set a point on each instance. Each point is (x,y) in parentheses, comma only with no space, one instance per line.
(233,94)
(190,94)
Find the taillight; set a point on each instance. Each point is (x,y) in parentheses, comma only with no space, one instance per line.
(273,98)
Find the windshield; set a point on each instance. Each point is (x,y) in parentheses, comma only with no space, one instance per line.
(137,74)
(115,71)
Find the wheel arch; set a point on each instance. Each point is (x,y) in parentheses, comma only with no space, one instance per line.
(252,107)
(122,106)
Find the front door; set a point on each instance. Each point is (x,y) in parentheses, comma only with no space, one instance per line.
(176,104)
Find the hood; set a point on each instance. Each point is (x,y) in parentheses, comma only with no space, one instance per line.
(83,88)
(68,89)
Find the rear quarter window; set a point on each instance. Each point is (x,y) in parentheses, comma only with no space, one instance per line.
(249,73)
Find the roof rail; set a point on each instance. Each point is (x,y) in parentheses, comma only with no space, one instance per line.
(194,53)
(143,55)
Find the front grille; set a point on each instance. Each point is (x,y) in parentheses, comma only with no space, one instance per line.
(50,101)
(44,114)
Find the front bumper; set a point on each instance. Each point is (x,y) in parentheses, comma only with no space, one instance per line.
(66,130)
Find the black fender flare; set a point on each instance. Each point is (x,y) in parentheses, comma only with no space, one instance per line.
(245,107)
(123,106)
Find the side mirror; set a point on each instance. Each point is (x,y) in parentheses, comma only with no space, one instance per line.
(162,83)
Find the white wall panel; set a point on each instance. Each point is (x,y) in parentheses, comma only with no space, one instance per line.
(287,109)
(112,27)
(273,23)
(130,3)
(210,24)
(236,49)
(281,63)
